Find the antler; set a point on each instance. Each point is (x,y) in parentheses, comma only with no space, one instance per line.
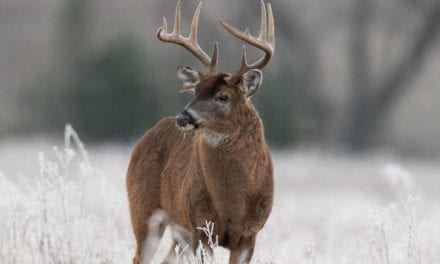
(190,42)
(265,41)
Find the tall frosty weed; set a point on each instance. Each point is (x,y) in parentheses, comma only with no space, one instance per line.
(211,255)
(406,245)
(51,220)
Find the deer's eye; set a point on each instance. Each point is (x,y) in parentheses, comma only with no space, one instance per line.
(223,98)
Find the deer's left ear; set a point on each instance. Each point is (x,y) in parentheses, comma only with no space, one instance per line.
(188,77)
(250,81)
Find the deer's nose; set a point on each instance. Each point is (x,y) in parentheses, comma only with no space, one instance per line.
(184,118)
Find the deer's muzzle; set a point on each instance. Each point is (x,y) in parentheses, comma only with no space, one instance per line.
(185,121)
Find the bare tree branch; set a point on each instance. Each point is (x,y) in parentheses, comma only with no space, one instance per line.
(368,111)
(399,79)
(360,73)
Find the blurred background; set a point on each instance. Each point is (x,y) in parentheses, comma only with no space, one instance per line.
(347,74)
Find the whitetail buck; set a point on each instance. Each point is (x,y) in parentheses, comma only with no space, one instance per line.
(211,162)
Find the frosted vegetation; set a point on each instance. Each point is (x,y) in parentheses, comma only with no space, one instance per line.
(64,207)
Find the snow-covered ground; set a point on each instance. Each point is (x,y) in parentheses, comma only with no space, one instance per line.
(63,205)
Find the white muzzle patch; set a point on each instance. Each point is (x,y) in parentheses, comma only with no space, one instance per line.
(187,127)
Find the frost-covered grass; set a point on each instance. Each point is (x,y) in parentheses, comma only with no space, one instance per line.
(61,206)
(67,213)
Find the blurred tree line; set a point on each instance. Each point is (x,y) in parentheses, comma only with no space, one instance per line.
(113,91)
(106,92)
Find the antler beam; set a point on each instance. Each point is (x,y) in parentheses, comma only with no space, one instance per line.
(265,41)
(190,42)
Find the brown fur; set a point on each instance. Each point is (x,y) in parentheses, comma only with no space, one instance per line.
(230,184)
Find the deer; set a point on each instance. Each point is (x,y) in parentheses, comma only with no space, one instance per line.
(211,162)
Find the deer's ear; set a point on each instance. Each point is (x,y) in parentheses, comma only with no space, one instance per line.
(250,81)
(188,77)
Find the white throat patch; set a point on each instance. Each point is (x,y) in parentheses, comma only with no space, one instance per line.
(213,138)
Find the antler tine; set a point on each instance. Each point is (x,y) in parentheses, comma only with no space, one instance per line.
(243,67)
(214,58)
(245,36)
(271,36)
(263,29)
(164,26)
(195,23)
(176,30)
(264,42)
(243,58)
(190,42)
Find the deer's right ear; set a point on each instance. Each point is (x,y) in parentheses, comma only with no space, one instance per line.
(188,77)
(250,81)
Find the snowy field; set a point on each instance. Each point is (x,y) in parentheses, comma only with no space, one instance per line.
(66,205)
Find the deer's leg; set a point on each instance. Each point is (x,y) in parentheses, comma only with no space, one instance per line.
(148,231)
(143,191)
(140,232)
(243,252)
(157,224)
(139,217)
(171,256)
(181,238)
